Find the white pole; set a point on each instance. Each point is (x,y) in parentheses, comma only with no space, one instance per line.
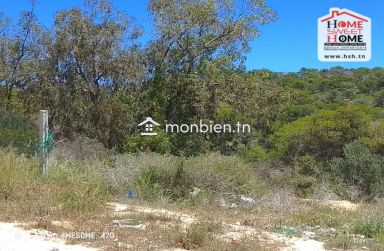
(43,137)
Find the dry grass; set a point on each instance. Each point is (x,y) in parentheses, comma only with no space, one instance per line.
(77,190)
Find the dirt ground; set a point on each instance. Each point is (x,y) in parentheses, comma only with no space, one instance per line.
(131,226)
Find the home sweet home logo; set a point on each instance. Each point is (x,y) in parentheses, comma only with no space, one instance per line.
(344,36)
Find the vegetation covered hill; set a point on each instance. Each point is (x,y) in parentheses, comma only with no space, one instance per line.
(316,133)
(99,80)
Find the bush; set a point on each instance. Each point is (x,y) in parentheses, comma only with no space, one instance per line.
(164,176)
(322,135)
(81,149)
(370,222)
(225,174)
(10,120)
(82,197)
(342,240)
(324,217)
(360,168)
(159,144)
(254,153)
(308,166)
(69,189)
(25,141)
(376,142)
(14,132)
(304,185)
(156,182)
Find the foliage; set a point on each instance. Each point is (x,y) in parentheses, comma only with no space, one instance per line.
(304,185)
(156,176)
(15,132)
(308,166)
(360,168)
(156,182)
(225,174)
(97,79)
(376,142)
(370,226)
(160,143)
(322,135)
(24,141)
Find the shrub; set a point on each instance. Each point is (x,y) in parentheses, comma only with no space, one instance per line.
(10,120)
(22,191)
(253,154)
(165,176)
(225,174)
(147,184)
(25,141)
(321,135)
(80,149)
(156,182)
(82,197)
(159,144)
(304,185)
(15,132)
(360,168)
(308,166)
(376,142)
(69,189)
(125,169)
(184,144)
(324,217)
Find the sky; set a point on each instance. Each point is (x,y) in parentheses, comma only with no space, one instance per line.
(287,45)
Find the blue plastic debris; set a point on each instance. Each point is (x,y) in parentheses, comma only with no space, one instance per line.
(130,193)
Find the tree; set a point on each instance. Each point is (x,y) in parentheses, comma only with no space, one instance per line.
(20,53)
(190,32)
(94,63)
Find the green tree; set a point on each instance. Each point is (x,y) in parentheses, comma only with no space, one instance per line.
(190,32)
(20,54)
(92,74)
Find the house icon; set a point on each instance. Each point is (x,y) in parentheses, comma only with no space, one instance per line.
(149,124)
(336,12)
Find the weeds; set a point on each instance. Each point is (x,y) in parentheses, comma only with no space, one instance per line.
(324,217)
(341,240)
(15,175)
(196,235)
(370,224)
(68,190)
